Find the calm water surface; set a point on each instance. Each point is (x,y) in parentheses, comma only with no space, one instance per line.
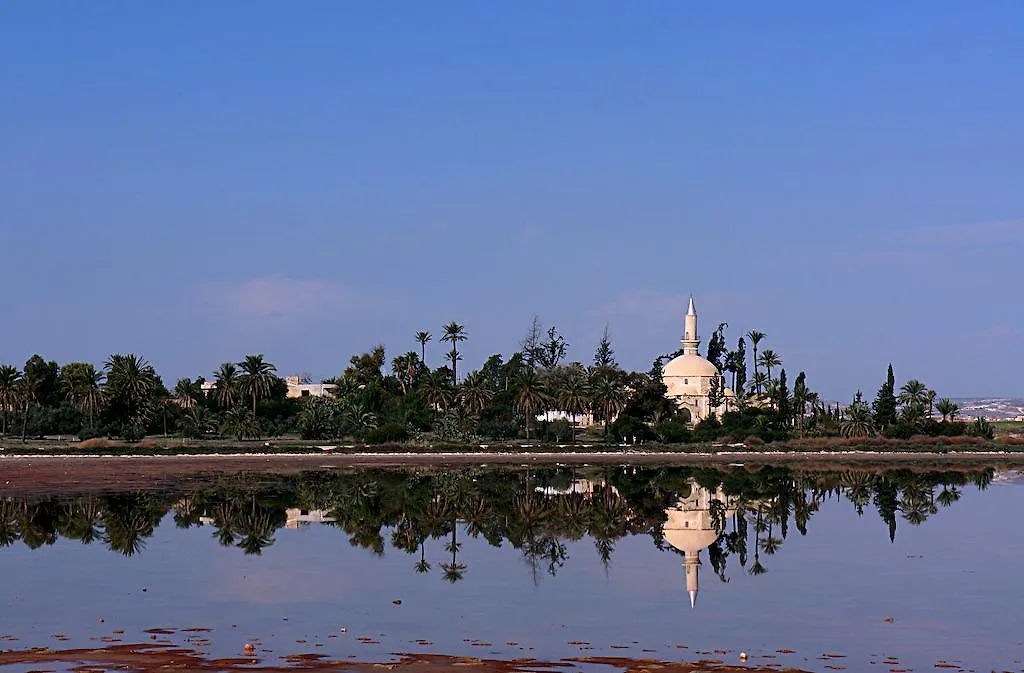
(547,564)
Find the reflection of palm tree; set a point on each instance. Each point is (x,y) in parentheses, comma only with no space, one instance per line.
(82,520)
(127,522)
(423,565)
(454,571)
(9,529)
(225,519)
(949,495)
(257,530)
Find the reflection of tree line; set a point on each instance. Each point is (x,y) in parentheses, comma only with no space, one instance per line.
(537,512)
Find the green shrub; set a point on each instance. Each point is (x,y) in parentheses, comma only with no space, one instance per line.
(388,433)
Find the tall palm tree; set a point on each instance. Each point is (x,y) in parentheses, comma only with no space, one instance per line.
(423,338)
(608,396)
(131,390)
(257,379)
(573,394)
(27,390)
(82,386)
(187,392)
(454,333)
(768,360)
(913,393)
(226,385)
(531,397)
(9,378)
(755,338)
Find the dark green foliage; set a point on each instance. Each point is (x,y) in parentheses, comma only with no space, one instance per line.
(648,400)
(981,428)
(672,432)
(885,405)
(391,432)
(740,379)
(604,356)
(707,430)
(782,400)
(716,347)
(628,428)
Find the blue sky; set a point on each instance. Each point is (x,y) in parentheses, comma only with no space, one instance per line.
(198,181)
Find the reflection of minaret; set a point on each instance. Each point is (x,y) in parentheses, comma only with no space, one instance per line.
(690,339)
(690,527)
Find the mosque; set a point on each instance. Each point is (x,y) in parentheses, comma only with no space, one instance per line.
(690,528)
(689,377)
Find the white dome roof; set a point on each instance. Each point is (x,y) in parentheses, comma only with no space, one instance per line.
(689,365)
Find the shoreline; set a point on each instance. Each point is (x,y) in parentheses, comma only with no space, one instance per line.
(25,474)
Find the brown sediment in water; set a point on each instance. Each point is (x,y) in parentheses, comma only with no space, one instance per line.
(146,658)
(45,475)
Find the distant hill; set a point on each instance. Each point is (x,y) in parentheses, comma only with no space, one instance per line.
(992,408)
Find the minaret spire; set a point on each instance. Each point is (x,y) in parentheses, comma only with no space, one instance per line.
(690,339)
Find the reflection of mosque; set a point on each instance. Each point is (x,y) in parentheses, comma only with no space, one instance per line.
(695,523)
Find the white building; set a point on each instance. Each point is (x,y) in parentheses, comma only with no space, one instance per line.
(689,377)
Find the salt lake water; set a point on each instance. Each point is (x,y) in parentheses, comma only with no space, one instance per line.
(816,571)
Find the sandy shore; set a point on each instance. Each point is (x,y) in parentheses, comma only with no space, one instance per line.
(73,474)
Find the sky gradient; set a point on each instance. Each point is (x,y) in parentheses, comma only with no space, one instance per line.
(194,182)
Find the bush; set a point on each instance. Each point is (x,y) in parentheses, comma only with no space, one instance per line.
(753,440)
(672,432)
(388,433)
(626,428)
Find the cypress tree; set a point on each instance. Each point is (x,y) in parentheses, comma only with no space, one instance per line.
(741,366)
(885,402)
(782,399)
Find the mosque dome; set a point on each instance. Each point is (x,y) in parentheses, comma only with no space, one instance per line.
(689,365)
(689,530)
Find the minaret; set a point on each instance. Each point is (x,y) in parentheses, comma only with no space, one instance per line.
(690,339)
(691,565)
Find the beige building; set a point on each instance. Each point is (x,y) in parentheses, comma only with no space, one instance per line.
(689,377)
(691,527)
(296,388)
(296,517)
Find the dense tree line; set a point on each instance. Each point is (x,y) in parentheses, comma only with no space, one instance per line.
(535,394)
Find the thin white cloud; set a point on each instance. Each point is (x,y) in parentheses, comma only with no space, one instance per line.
(277,297)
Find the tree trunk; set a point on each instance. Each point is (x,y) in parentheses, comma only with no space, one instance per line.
(24,425)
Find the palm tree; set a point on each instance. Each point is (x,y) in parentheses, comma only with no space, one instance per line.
(226,385)
(198,422)
(9,378)
(423,338)
(131,390)
(257,378)
(454,333)
(405,368)
(609,397)
(82,385)
(187,392)
(755,338)
(531,397)
(242,424)
(438,391)
(945,406)
(769,359)
(913,392)
(573,395)
(475,394)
